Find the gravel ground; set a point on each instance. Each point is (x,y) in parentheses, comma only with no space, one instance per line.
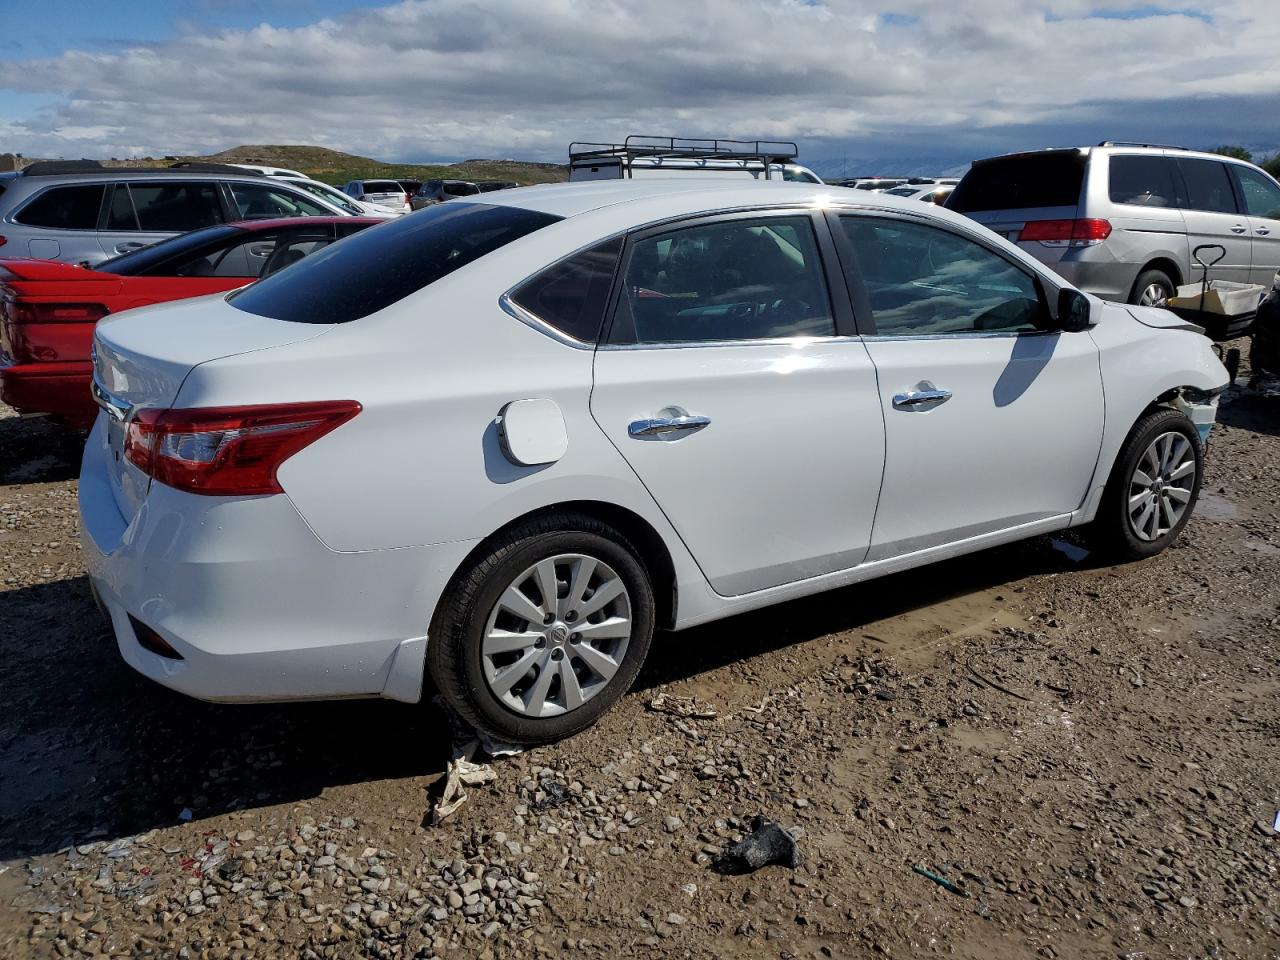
(1086,754)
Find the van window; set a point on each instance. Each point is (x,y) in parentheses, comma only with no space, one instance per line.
(572,295)
(1261,195)
(1208,185)
(1145,181)
(65,208)
(1049,179)
(376,268)
(263,201)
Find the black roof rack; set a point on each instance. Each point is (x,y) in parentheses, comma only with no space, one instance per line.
(1132,143)
(683,148)
(203,166)
(52,168)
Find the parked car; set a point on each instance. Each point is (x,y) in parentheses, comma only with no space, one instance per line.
(304,489)
(488,186)
(645,156)
(929,193)
(283,172)
(438,191)
(388,194)
(48,309)
(1264,355)
(331,194)
(410,186)
(84,213)
(1120,219)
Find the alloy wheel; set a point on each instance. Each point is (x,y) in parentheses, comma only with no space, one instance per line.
(557,635)
(1161,486)
(1153,295)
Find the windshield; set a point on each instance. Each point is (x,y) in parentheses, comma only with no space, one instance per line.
(149,258)
(903,191)
(325,192)
(376,268)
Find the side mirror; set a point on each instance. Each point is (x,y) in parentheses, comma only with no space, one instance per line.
(1074,311)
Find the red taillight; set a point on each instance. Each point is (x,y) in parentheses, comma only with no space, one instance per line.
(26,312)
(1062,233)
(228,451)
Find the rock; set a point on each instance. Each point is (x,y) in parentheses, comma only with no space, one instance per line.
(672,824)
(379,918)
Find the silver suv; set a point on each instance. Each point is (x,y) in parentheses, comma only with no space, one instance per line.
(1120,220)
(85,213)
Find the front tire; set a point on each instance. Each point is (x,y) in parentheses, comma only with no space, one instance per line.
(545,631)
(1153,488)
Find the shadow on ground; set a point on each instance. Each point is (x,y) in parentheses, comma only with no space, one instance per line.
(89,748)
(36,450)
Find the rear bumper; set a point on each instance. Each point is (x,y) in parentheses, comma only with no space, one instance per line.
(256,606)
(59,389)
(1096,272)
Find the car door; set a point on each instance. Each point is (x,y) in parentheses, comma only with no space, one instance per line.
(140,213)
(1213,218)
(993,420)
(1261,197)
(732,384)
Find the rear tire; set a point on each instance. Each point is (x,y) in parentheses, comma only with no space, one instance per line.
(1152,490)
(527,668)
(1152,289)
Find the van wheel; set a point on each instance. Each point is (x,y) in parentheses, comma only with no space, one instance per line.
(1152,490)
(1152,289)
(545,631)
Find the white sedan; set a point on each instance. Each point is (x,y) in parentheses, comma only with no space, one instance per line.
(497,444)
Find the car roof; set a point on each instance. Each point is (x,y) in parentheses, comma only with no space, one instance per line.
(690,196)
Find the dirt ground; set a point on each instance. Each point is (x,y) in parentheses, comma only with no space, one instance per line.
(1087,754)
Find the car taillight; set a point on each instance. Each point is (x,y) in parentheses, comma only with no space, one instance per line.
(24,312)
(1066,233)
(228,451)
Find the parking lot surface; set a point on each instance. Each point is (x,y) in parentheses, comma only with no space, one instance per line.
(1086,754)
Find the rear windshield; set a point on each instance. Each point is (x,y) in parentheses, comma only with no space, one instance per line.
(141,261)
(379,267)
(382,186)
(1021,182)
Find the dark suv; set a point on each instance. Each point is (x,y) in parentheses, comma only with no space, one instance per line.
(438,191)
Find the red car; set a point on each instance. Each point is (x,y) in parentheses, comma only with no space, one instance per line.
(48,309)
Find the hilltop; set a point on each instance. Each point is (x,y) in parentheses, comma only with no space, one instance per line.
(336,167)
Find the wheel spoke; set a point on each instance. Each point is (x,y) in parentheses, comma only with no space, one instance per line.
(508,677)
(537,696)
(546,574)
(1177,493)
(1177,447)
(1171,518)
(1140,524)
(1154,523)
(611,629)
(1165,444)
(582,571)
(1141,477)
(1186,468)
(505,641)
(1138,499)
(604,593)
(601,663)
(569,688)
(515,602)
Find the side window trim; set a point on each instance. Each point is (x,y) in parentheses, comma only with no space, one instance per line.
(862,300)
(639,234)
(526,316)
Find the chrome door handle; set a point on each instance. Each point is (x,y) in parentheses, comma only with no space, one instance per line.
(1263,230)
(925,396)
(1237,229)
(661,427)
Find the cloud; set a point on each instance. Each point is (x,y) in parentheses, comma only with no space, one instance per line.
(458,78)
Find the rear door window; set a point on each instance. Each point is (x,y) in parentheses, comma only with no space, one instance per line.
(65,208)
(376,268)
(1208,185)
(1050,179)
(740,279)
(163,207)
(572,295)
(1144,181)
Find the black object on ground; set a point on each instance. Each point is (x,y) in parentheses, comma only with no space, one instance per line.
(768,843)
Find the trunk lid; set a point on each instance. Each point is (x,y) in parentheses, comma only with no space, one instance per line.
(142,356)
(42,319)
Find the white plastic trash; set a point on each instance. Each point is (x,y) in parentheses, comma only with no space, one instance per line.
(1224,297)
